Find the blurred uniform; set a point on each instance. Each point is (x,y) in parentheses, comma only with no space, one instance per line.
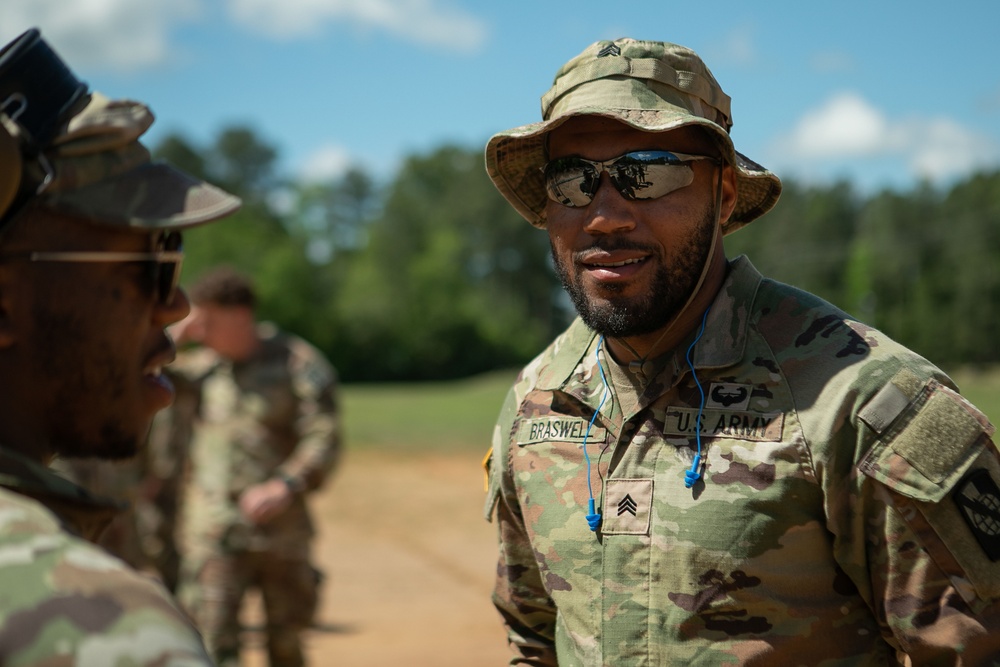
(56,585)
(120,481)
(164,478)
(271,416)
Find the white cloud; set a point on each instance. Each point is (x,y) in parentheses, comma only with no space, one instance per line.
(116,34)
(833,62)
(326,164)
(738,47)
(845,125)
(848,127)
(422,21)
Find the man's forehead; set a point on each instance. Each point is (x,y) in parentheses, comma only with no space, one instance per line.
(45,228)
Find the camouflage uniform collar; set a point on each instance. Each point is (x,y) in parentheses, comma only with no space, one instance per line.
(576,341)
(722,344)
(729,317)
(79,510)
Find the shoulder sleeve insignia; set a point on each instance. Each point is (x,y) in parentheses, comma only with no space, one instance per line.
(978,499)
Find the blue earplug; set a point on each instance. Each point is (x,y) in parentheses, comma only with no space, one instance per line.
(593,518)
(694,473)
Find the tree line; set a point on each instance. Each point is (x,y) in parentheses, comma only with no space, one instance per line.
(432,275)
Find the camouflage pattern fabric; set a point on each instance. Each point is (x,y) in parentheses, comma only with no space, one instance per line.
(164,471)
(273,416)
(847,515)
(120,481)
(65,601)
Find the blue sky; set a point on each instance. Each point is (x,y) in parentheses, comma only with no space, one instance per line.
(881,93)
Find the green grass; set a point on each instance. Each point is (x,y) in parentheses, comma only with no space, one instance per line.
(460,414)
(429,415)
(982,387)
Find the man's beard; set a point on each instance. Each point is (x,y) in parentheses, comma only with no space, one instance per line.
(83,372)
(670,289)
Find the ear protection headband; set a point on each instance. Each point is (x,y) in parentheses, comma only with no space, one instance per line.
(36,91)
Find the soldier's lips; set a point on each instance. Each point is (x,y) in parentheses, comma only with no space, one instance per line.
(158,386)
(613,270)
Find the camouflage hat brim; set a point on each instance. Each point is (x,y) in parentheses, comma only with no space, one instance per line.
(153,195)
(515,158)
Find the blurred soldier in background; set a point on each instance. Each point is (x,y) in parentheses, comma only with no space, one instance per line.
(89,261)
(265,433)
(164,475)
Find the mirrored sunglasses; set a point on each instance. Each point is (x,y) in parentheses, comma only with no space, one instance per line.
(164,263)
(638,175)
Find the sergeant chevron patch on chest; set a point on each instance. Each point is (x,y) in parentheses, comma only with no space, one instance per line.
(627,505)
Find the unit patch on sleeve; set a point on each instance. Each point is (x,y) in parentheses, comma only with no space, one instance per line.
(978,499)
(558,429)
(736,424)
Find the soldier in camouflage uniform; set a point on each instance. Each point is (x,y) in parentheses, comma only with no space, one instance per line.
(710,467)
(265,434)
(89,261)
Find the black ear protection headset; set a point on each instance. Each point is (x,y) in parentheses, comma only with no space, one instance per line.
(37,90)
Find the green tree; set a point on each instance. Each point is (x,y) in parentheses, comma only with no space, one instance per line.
(451,282)
(805,240)
(256,239)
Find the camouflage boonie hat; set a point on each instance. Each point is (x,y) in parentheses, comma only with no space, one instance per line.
(78,152)
(650,86)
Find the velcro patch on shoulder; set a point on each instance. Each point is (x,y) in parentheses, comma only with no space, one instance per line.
(884,407)
(930,443)
(558,429)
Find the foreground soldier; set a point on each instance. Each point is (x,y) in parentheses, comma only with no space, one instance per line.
(264,433)
(89,261)
(711,467)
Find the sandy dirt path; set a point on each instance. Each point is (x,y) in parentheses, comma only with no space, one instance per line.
(409,563)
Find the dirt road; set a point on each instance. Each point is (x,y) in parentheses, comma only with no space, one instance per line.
(410,566)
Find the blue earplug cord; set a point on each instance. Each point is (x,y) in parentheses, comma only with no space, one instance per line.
(593,518)
(694,473)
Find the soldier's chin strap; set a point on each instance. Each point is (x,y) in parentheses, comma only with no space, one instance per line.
(694,473)
(641,366)
(593,517)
